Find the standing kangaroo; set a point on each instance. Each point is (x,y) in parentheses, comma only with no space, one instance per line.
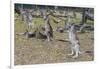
(29,19)
(48,28)
(75,45)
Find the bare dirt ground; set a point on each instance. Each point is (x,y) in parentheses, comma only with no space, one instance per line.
(38,51)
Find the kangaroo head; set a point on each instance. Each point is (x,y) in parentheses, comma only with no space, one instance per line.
(70,26)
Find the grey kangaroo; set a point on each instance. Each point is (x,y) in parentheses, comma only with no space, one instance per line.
(48,28)
(75,45)
(29,19)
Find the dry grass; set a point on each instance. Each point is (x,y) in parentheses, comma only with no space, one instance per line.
(37,51)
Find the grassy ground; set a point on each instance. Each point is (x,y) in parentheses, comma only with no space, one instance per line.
(37,51)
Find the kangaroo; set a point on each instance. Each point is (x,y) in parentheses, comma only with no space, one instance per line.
(48,28)
(29,19)
(75,45)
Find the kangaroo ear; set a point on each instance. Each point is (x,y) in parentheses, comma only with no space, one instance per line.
(72,24)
